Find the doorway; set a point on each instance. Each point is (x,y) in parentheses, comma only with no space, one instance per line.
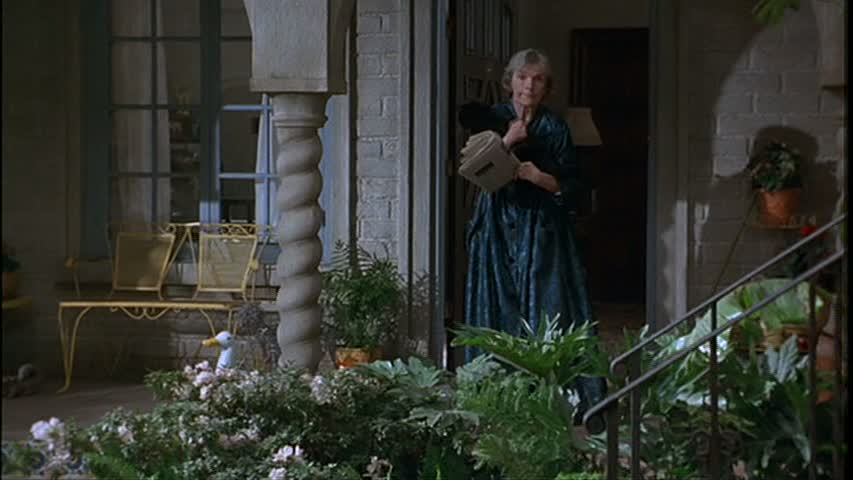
(609,74)
(609,71)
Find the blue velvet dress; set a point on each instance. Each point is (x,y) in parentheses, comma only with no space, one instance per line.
(523,260)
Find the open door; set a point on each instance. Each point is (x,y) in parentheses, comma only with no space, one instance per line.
(609,72)
(481,42)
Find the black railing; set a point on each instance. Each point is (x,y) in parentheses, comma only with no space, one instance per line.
(629,363)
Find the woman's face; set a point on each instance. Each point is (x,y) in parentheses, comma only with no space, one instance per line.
(529,85)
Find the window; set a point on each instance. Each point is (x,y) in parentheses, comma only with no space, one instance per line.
(173,133)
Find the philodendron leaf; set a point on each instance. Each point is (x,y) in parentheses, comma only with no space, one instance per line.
(782,364)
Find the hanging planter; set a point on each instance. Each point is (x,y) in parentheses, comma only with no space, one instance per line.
(775,171)
(778,207)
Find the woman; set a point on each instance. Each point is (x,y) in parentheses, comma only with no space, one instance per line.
(523,258)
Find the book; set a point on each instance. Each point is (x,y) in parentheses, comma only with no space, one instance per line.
(487,163)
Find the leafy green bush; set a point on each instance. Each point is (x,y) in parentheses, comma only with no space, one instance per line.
(362,295)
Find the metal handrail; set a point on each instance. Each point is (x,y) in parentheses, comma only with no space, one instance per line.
(597,408)
(620,360)
(609,405)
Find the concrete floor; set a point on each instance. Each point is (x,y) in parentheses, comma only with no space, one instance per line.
(89,400)
(86,402)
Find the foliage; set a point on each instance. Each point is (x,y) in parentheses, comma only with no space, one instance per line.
(525,415)
(791,308)
(763,410)
(775,167)
(771,12)
(504,415)
(241,425)
(551,353)
(362,295)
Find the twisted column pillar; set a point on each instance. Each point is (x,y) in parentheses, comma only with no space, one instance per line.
(297,117)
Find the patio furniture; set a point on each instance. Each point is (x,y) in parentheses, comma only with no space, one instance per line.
(227,257)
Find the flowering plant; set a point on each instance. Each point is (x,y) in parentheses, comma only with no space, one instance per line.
(775,167)
(808,254)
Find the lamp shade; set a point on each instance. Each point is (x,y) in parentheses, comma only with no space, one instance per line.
(584,132)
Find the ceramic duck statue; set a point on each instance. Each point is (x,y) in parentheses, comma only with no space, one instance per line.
(224,340)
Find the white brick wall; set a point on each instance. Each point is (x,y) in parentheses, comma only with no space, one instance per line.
(378,126)
(743,78)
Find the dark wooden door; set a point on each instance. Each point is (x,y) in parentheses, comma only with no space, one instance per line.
(481,42)
(609,74)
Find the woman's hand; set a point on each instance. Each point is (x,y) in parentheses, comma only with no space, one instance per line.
(517,131)
(530,172)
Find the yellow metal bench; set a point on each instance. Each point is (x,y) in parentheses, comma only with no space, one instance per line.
(226,260)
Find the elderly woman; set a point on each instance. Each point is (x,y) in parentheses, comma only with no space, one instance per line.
(523,258)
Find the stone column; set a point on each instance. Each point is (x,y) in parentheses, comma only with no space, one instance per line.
(298,58)
(296,118)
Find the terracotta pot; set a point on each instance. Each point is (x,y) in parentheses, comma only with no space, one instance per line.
(777,207)
(10,284)
(350,357)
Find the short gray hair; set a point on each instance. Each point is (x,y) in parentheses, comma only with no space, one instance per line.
(528,56)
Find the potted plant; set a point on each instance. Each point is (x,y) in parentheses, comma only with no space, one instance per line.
(775,171)
(362,294)
(11,265)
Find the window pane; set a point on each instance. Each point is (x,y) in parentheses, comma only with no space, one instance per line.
(131,200)
(235,22)
(183,198)
(131,70)
(178,18)
(238,201)
(239,140)
(131,18)
(185,158)
(183,72)
(236,70)
(132,141)
(184,126)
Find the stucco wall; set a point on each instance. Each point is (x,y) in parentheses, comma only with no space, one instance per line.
(742,78)
(38,119)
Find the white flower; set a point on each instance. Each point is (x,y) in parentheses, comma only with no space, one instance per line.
(252,434)
(45,431)
(205,392)
(203,378)
(203,366)
(41,430)
(288,453)
(124,434)
(278,473)
(321,392)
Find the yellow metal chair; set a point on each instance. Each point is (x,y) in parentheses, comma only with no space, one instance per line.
(228,257)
